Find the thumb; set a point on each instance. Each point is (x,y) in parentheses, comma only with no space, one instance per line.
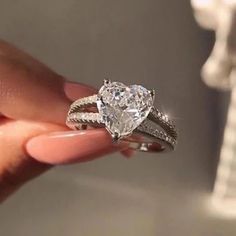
(16,167)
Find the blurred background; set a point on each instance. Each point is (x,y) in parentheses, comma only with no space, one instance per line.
(155,43)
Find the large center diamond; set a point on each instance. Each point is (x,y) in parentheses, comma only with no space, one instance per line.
(123,108)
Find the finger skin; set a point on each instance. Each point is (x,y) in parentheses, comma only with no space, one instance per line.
(34,101)
(30,90)
(44,146)
(16,167)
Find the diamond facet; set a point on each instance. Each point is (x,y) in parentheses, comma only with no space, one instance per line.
(123,108)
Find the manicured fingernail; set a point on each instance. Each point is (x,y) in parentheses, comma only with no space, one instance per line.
(128,153)
(71,146)
(77,90)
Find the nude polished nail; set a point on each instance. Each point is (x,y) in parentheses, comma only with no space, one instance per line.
(71,146)
(75,90)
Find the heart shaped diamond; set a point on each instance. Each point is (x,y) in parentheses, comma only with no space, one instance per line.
(123,108)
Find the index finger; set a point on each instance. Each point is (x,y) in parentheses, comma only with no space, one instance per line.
(30,90)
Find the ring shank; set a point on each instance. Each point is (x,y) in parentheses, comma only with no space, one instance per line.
(148,144)
(138,141)
(146,137)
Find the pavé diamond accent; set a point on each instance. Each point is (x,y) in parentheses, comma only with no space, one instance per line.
(123,108)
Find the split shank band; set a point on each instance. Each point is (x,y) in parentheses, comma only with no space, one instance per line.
(156,133)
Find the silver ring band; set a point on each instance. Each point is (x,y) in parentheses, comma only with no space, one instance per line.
(156,133)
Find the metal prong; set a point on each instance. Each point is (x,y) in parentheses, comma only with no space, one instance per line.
(106,81)
(115,137)
(152,92)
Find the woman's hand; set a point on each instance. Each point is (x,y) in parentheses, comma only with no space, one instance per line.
(33,106)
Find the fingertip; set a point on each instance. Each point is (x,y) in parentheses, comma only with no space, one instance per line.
(128,153)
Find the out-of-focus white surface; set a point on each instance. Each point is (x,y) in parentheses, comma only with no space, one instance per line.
(224,193)
(219,72)
(154,43)
(219,16)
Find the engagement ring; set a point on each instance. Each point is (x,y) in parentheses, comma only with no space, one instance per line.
(128,114)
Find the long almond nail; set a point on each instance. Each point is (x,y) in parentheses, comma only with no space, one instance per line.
(77,90)
(71,146)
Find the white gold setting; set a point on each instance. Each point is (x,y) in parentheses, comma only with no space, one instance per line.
(123,108)
(126,112)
